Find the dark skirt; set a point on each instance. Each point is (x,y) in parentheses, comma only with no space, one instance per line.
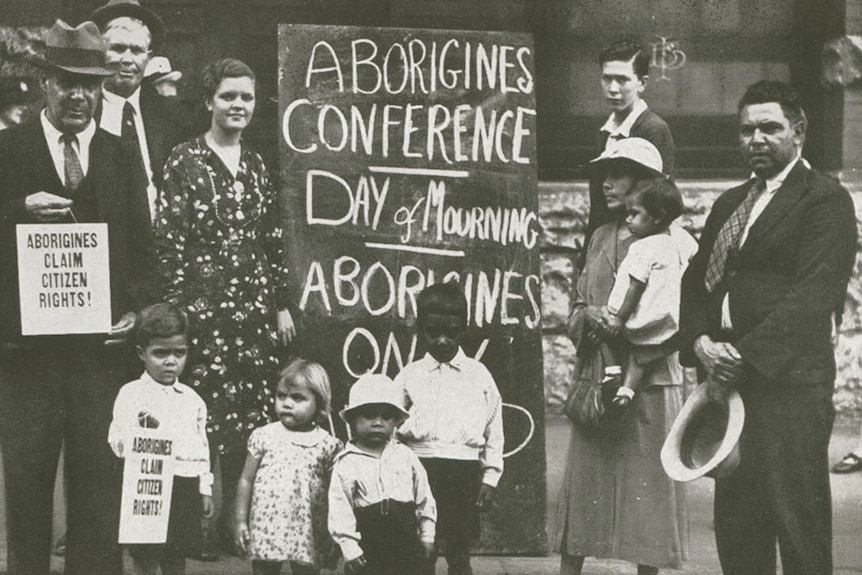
(455,485)
(184,524)
(390,538)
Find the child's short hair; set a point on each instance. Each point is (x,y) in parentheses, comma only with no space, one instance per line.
(444,299)
(317,380)
(160,320)
(660,198)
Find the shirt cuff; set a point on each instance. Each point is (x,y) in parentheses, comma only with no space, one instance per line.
(427,530)
(206,484)
(491,476)
(350,549)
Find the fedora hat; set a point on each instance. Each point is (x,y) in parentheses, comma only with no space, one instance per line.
(631,150)
(372,389)
(704,437)
(133,9)
(79,50)
(159,70)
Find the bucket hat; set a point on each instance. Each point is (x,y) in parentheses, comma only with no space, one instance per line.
(159,70)
(634,150)
(373,389)
(704,437)
(79,50)
(133,9)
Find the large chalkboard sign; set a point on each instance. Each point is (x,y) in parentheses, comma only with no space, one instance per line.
(408,157)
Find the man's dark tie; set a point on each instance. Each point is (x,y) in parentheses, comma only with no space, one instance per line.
(129,134)
(71,164)
(730,234)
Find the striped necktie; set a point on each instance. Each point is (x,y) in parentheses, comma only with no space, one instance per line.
(729,235)
(129,134)
(72,169)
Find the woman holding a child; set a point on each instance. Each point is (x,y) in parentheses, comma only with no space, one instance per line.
(617,501)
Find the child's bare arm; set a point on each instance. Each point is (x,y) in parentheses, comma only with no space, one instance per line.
(243,501)
(618,320)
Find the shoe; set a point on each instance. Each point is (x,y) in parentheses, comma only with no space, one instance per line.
(849,464)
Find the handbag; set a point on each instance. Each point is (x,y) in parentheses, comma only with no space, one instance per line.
(588,403)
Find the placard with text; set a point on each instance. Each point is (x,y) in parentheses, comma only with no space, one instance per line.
(64,278)
(148,481)
(408,157)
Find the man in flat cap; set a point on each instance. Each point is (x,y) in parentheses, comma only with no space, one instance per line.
(60,389)
(148,122)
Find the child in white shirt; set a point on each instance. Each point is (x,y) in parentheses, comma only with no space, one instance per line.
(644,303)
(158,400)
(456,422)
(381,511)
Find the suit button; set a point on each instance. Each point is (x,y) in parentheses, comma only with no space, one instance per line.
(731,273)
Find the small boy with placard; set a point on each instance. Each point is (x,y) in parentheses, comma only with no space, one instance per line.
(158,402)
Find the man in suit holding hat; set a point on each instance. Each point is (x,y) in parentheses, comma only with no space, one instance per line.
(758,312)
(55,390)
(148,122)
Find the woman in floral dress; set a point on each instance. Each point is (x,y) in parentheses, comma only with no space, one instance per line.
(220,243)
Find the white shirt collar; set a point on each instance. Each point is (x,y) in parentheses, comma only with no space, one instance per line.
(54,136)
(147,379)
(775,182)
(112,99)
(456,362)
(624,129)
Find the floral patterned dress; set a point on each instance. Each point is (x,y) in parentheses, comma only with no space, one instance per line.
(288,519)
(220,243)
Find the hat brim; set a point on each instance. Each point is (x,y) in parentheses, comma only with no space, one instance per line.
(351,408)
(602,163)
(725,457)
(104,14)
(96,71)
(173,76)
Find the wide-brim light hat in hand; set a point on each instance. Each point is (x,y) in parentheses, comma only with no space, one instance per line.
(636,151)
(78,50)
(375,388)
(159,70)
(132,9)
(704,437)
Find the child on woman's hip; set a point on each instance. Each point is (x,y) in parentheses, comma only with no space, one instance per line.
(158,400)
(281,503)
(643,306)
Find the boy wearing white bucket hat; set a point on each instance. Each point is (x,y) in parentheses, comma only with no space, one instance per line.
(381,510)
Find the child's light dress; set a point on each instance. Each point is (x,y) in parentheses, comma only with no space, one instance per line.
(289,500)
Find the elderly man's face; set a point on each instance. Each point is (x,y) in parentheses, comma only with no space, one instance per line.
(767,138)
(71,99)
(128,43)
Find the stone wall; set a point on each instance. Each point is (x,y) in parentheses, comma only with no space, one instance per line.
(563,210)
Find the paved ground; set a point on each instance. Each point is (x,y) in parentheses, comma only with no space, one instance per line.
(847,495)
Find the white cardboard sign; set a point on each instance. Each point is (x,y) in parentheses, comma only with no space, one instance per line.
(64,278)
(148,481)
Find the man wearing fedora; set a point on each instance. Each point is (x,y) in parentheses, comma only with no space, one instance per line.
(151,124)
(758,311)
(59,390)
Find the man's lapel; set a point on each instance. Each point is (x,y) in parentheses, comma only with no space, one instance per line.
(786,197)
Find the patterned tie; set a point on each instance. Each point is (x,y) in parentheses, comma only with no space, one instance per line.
(729,235)
(129,133)
(71,164)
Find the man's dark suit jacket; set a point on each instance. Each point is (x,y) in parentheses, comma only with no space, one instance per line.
(108,194)
(165,126)
(785,283)
(648,126)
